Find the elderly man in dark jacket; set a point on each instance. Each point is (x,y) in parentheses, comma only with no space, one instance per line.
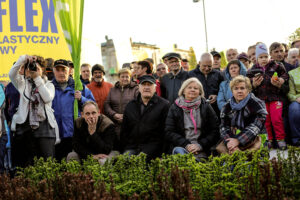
(94,134)
(171,82)
(210,79)
(144,121)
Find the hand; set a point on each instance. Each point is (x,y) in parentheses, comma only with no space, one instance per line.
(233,150)
(257,81)
(192,148)
(277,83)
(118,117)
(298,99)
(77,95)
(212,98)
(232,143)
(92,125)
(100,156)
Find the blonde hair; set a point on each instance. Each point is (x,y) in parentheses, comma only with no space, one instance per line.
(241,79)
(189,81)
(124,70)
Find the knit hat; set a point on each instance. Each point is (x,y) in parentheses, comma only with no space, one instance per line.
(260,49)
(98,67)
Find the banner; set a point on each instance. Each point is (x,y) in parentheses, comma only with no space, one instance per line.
(70,13)
(29,27)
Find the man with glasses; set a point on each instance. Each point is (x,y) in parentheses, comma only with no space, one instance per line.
(171,82)
(161,70)
(210,79)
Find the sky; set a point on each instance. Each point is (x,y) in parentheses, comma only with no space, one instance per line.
(230,23)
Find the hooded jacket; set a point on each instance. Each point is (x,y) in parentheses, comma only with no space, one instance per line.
(63,105)
(225,92)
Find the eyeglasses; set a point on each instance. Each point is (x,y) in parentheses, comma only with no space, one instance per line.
(160,69)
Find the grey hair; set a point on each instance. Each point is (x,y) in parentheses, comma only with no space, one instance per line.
(231,49)
(293,51)
(205,56)
(163,65)
(189,81)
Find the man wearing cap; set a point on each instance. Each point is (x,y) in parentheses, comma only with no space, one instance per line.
(210,79)
(63,105)
(243,57)
(217,60)
(98,86)
(144,121)
(171,82)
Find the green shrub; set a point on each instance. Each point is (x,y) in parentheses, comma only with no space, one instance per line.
(243,175)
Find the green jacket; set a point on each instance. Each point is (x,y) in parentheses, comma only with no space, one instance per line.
(294,84)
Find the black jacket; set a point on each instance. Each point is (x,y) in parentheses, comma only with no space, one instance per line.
(175,132)
(170,85)
(144,132)
(211,83)
(101,142)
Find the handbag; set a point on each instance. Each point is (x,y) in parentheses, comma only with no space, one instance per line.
(252,146)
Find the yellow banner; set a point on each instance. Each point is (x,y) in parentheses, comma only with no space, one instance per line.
(29,27)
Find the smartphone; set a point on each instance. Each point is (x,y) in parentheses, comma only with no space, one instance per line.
(257,74)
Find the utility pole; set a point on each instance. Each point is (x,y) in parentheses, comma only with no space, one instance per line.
(204,16)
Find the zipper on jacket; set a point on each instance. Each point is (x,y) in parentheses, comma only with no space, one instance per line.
(121,105)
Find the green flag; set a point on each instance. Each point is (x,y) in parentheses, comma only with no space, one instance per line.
(70,13)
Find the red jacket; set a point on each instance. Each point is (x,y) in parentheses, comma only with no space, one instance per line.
(100,92)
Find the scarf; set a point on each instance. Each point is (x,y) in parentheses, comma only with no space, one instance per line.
(237,119)
(191,107)
(36,107)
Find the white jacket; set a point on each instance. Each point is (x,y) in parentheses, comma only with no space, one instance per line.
(46,91)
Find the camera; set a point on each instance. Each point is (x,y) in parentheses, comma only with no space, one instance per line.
(31,66)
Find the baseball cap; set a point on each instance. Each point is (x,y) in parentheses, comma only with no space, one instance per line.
(147,78)
(61,62)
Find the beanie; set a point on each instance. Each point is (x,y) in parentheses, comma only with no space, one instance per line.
(260,49)
(98,67)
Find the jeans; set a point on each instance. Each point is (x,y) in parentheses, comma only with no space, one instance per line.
(294,119)
(180,150)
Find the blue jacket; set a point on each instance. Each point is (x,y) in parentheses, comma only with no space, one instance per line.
(63,105)
(224,92)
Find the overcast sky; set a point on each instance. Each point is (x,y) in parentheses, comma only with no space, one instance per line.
(230,23)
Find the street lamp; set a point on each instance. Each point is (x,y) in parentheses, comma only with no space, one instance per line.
(196,1)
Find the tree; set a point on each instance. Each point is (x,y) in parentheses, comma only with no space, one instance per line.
(294,36)
(192,59)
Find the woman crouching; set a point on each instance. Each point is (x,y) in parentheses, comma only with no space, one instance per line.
(242,117)
(192,124)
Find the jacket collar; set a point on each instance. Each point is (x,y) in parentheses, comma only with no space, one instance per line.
(179,75)
(132,84)
(71,83)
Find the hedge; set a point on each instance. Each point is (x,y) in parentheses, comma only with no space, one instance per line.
(243,175)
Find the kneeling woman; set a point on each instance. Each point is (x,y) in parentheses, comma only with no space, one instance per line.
(243,117)
(192,124)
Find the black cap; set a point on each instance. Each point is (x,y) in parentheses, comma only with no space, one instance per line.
(215,53)
(61,62)
(147,78)
(174,55)
(98,67)
(166,56)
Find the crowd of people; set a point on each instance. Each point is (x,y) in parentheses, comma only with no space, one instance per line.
(169,108)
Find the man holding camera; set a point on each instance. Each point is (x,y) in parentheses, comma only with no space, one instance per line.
(63,105)
(34,127)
